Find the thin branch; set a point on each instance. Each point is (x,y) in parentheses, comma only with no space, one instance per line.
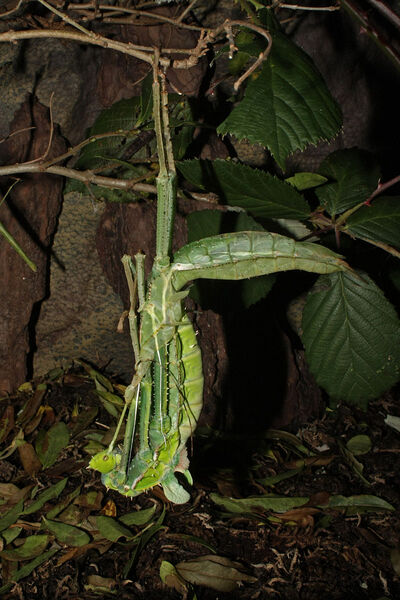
(93,38)
(64,17)
(86,177)
(381,188)
(314,8)
(134,13)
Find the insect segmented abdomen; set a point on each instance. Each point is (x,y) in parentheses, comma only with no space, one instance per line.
(191,380)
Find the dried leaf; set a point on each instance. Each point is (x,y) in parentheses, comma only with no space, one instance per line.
(66,534)
(51,514)
(99,584)
(111,529)
(6,423)
(139,517)
(395,558)
(50,443)
(11,516)
(32,546)
(109,509)
(11,494)
(393,422)
(17,441)
(29,460)
(91,500)
(32,405)
(171,578)
(52,492)
(278,504)
(27,569)
(216,572)
(359,504)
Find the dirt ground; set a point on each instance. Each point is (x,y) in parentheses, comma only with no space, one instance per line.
(316,515)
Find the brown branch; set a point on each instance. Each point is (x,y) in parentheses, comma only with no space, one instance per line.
(86,177)
(84,8)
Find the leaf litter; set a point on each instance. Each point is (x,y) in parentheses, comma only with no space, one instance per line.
(306,506)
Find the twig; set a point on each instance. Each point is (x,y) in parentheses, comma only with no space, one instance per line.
(64,17)
(381,188)
(314,8)
(86,177)
(362,18)
(135,12)
(227,26)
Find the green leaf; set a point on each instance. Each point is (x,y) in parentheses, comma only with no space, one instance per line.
(237,295)
(111,529)
(27,569)
(50,443)
(120,117)
(250,254)
(66,534)
(139,517)
(351,337)
(52,492)
(359,445)
(259,193)
(277,504)
(306,181)
(356,504)
(146,100)
(10,534)
(379,222)
(52,513)
(216,572)
(11,516)
(286,105)
(32,546)
(353,174)
(14,244)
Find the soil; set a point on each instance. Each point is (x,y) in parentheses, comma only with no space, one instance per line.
(307,552)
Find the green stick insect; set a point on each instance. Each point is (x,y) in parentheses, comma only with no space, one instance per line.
(164,399)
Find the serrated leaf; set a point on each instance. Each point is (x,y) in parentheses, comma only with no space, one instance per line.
(359,444)
(261,194)
(219,295)
(379,222)
(139,517)
(286,105)
(351,338)
(276,504)
(111,529)
(249,254)
(52,492)
(66,534)
(216,572)
(353,174)
(32,546)
(50,443)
